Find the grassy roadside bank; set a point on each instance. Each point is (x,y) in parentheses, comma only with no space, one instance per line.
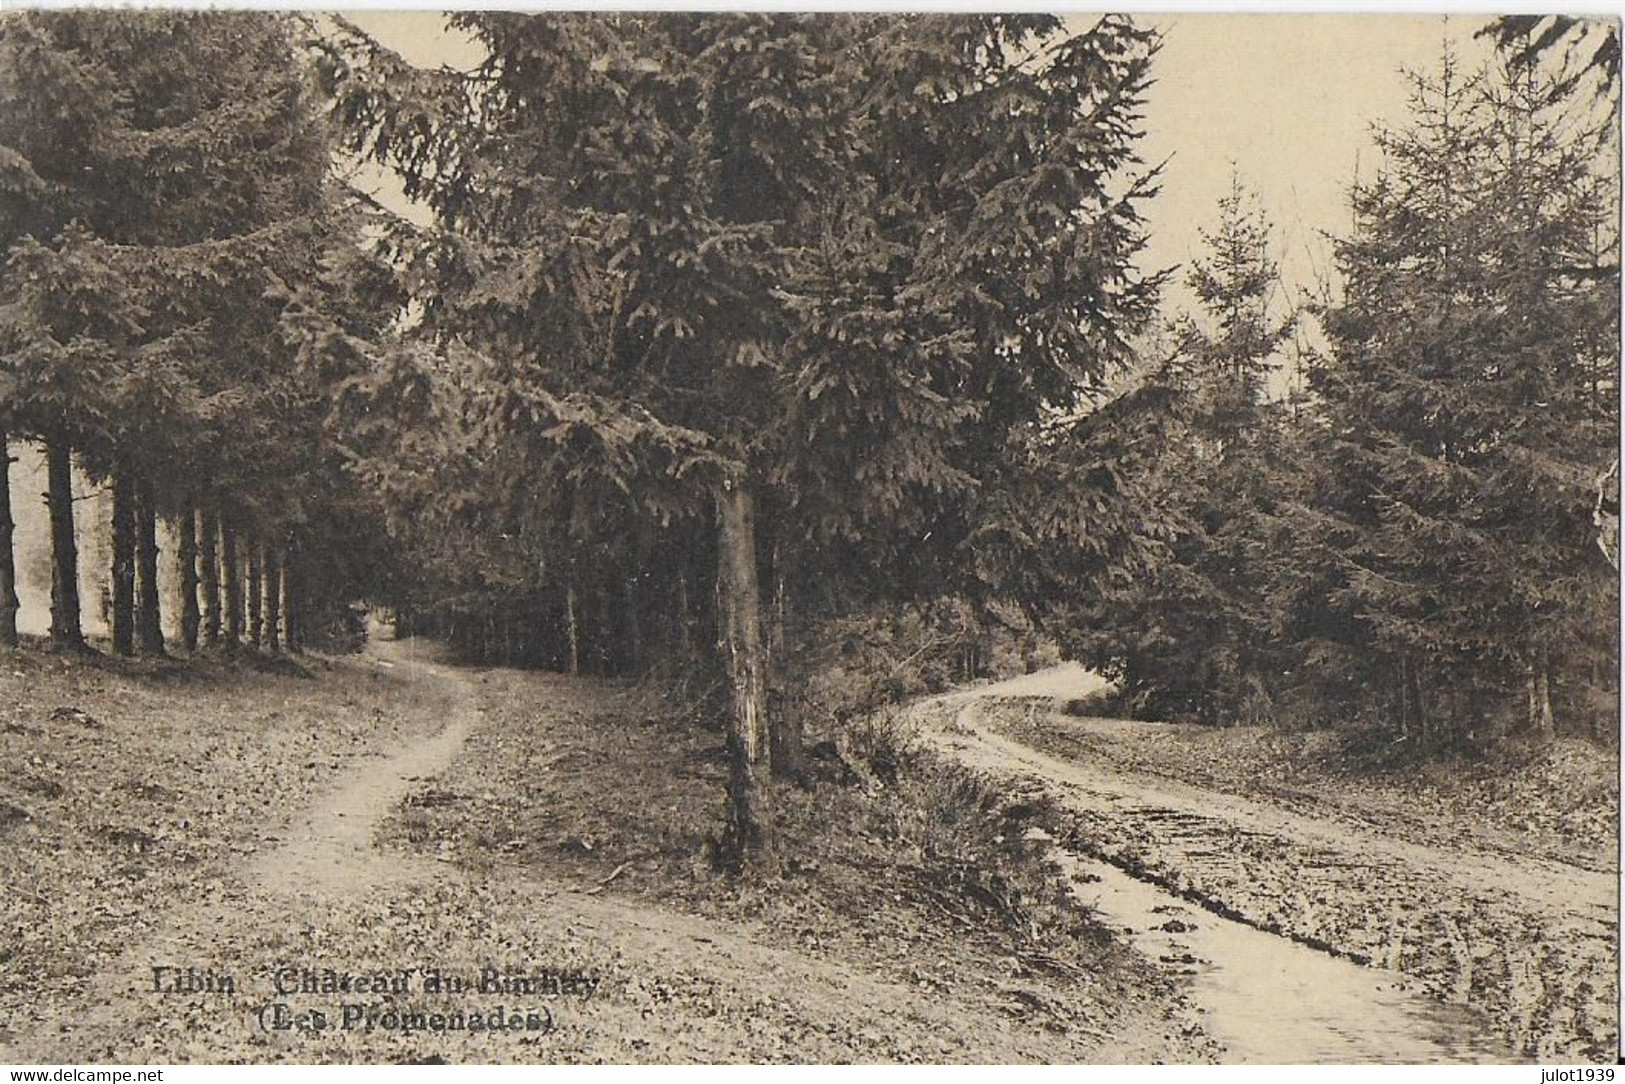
(896,865)
(1557,799)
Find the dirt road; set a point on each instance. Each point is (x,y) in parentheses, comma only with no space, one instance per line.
(1366,941)
(1269,907)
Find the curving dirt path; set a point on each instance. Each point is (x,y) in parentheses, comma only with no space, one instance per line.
(325,851)
(329,847)
(1520,949)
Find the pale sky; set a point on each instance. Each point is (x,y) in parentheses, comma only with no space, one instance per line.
(1288,100)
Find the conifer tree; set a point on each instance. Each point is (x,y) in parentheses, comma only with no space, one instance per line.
(1188,638)
(790,284)
(1471,402)
(164,181)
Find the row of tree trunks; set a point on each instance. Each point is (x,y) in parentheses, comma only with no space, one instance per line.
(247,589)
(970,660)
(596,626)
(135,616)
(1424,725)
(204,549)
(9,603)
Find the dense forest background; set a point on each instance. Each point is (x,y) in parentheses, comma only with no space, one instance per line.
(745,349)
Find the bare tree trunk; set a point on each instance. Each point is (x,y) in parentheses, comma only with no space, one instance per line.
(634,628)
(785,725)
(256,598)
(122,617)
(149,629)
(209,559)
(66,630)
(570,631)
(231,586)
(1543,696)
(273,600)
(293,622)
(8,561)
(186,565)
(744,664)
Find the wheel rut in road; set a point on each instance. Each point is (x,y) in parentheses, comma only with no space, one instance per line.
(1512,953)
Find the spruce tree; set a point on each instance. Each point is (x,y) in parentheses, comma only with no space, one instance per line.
(790,284)
(164,196)
(1470,399)
(1189,635)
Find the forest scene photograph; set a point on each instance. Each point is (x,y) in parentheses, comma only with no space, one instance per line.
(756,537)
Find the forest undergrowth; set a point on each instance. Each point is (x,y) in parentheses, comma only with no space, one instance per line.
(891,860)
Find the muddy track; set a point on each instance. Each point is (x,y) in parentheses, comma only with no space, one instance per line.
(1527,943)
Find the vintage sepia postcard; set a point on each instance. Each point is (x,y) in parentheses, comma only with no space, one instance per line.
(746,536)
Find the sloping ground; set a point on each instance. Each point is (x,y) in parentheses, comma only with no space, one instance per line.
(1516,920)
(551,842)
(1558,800)
(130,787)
(910,921)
